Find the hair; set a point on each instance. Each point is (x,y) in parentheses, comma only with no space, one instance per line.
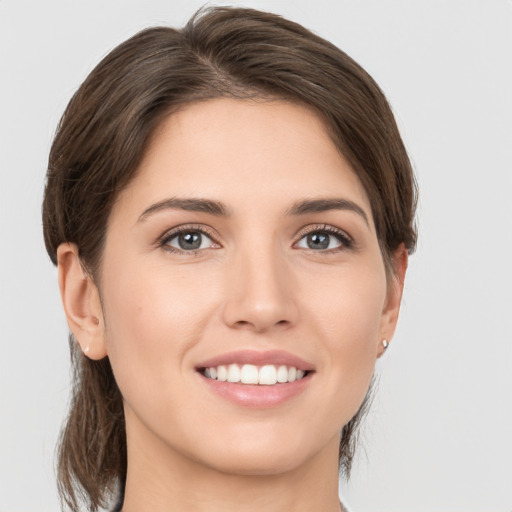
(102,136)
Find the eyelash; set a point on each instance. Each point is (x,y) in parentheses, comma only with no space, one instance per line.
(346,241)
(163,242)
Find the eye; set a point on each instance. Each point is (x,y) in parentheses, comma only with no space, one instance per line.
(325,239)
(187,240)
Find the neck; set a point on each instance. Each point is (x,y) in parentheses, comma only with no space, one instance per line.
(159,479)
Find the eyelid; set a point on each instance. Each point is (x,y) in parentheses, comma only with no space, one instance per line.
(163,239)
(347,241)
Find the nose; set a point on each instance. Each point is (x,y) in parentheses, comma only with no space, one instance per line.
(260,292)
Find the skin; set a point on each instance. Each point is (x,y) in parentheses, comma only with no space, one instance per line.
(254,284)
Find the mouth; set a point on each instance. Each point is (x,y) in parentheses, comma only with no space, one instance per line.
(266,375)
(252,378)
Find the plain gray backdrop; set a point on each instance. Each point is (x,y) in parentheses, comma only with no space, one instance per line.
(439,436)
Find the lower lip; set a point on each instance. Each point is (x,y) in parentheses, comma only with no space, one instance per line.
(250,395)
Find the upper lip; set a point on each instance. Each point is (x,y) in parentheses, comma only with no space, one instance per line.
(257,358)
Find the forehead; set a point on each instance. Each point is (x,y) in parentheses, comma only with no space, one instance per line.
(244,152)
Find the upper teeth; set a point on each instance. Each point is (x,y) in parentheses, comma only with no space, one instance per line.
(251,374)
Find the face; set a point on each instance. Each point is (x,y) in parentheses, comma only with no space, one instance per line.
(244,293)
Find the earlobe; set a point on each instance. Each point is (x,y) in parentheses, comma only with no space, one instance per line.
(391,310)
(81,301)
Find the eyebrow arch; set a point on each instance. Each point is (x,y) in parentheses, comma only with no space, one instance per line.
(189,204)
(323,205)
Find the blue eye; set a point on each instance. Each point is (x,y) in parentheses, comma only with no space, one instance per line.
(323,240)
(188,240)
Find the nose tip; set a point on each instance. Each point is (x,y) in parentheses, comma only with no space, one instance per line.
(260,320)
(260,297)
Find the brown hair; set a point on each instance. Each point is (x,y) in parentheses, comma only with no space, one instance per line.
(101,139)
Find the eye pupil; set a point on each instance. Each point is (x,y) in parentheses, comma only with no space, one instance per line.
(318,240)
(189,240)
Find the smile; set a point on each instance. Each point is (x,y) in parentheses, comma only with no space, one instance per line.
(266,375)
(257,379)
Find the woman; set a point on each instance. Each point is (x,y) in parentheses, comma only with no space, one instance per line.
(230,207)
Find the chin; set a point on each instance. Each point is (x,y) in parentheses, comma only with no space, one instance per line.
(255,456)
(259,464)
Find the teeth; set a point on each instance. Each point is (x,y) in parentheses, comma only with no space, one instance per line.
(222,373)
(266,375)
(249,374)
(233,373)
(282,374)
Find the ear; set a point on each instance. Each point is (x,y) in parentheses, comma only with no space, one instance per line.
(81,301)
(391,309)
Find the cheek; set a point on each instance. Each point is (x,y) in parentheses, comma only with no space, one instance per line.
(349,307)
(347,316)
(152,319)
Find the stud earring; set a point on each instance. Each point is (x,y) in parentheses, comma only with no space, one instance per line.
(86,349)
(385,344)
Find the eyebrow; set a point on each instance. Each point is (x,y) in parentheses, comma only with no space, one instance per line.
(192,204)
(323,205)
(219,209)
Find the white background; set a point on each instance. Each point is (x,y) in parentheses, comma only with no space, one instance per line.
(439,437)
